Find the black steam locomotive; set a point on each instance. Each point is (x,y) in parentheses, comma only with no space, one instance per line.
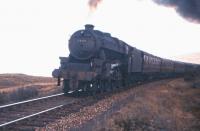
(100,62)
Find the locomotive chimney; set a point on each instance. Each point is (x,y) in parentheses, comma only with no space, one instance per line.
(89,27)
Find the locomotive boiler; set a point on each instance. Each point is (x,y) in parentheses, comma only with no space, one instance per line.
(100,62)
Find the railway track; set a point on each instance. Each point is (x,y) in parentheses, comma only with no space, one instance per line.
(37,113)
(16,112)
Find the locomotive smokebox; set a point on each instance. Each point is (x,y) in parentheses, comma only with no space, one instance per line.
(84,43)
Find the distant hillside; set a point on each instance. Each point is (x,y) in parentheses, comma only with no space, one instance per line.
(191,58)
(18,87)
(10,80)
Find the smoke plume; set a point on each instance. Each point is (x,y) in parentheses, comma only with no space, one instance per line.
(189,9)
(93,4)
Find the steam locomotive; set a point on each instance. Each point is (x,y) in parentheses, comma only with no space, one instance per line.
(100,62)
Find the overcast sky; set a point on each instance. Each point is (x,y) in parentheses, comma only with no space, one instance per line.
(34,33)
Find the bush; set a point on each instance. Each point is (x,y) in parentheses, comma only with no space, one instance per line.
(131,124)
(23,94)
(196,85)
(3,97)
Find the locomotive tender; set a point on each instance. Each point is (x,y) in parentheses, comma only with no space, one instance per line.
(100,62)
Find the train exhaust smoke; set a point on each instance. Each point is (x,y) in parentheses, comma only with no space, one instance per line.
(189,9)
(93,4)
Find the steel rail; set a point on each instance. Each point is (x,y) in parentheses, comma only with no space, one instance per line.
(38,113)
(35,114)
(31,100)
